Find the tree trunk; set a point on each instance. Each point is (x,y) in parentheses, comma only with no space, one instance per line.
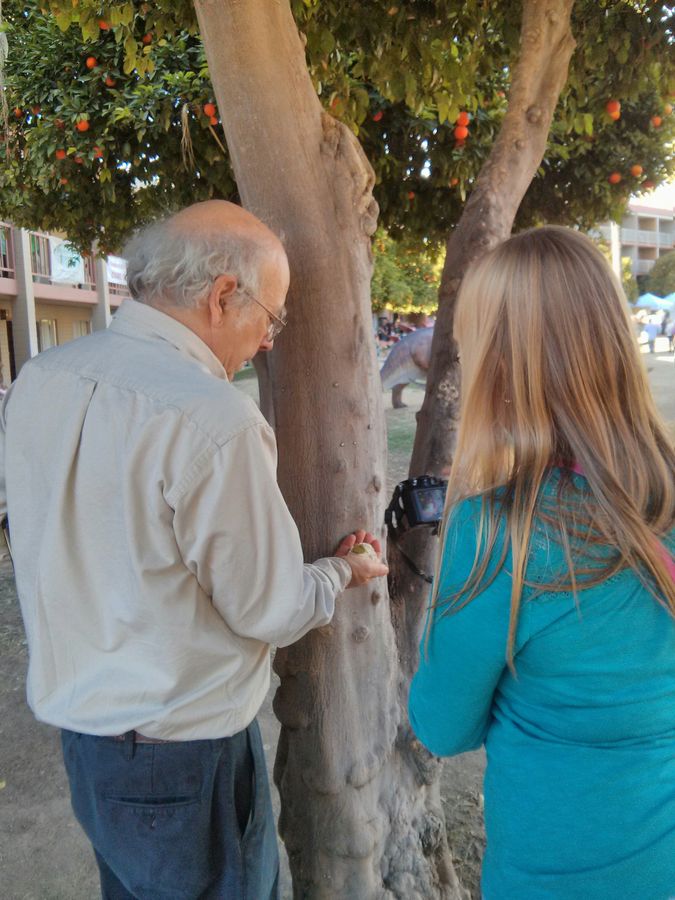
(538,78)
(361,815)
(262,364)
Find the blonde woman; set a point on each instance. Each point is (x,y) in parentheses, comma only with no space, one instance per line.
(551,635)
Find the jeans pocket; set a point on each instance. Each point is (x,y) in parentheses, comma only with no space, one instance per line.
(152,802)
(147,843)
(155,811)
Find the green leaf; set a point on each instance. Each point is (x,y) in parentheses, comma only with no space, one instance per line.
(63,20)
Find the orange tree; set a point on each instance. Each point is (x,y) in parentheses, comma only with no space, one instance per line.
(361,811)
(112,119)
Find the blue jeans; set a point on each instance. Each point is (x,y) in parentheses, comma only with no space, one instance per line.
(186,820)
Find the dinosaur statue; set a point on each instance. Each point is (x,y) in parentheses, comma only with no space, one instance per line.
(408,360)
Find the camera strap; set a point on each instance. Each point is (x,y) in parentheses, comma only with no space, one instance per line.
(411,563)
(413,505)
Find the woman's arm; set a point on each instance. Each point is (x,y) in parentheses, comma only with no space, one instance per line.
(451,694)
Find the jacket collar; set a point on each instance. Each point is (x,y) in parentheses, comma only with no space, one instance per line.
(140,320)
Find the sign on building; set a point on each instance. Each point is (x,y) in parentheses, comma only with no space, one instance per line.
(66,263)
(117,270)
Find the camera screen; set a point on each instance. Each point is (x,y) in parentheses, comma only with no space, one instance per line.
(429,503)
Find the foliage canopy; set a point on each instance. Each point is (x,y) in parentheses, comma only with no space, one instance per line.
(661,280)
(406,277)
(398,73)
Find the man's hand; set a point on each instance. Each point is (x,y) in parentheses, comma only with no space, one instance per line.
(362,565)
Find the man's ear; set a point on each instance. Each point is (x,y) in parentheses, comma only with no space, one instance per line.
(220,297)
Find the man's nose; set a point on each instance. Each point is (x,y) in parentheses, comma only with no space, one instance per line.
(265,346)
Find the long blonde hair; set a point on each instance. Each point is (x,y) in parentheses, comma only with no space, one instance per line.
(551,374)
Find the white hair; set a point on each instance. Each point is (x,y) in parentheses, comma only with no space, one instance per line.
(170,267)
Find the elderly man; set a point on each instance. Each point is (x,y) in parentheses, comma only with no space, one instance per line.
(156,561)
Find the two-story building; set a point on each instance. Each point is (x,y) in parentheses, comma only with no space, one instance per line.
(50,295)
(646,232)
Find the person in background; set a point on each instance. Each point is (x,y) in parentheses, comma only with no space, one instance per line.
(652,329)
(670,333)
(156,561)
(551,630)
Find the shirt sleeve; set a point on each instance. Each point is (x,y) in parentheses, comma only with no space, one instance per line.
(236,535)
(464,658)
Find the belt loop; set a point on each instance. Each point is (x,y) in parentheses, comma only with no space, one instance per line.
(129,744)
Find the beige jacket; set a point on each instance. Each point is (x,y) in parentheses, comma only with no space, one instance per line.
(156,560)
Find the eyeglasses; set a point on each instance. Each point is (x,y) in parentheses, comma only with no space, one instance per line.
(277,323)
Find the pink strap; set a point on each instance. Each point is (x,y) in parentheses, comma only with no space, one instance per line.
(667,558)
(669,561)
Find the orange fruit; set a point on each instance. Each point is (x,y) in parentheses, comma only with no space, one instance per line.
(91,62)
(209,109)
(614,178)
(461,132)
(60,154)
(463,118)
(82,125)
(213,120)
(377,117)
(613,106)
(147,38)
(656,121)
(636,171)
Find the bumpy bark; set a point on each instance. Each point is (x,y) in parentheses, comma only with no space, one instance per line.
(361,815)
(538,78)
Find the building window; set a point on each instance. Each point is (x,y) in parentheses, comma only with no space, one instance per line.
(81,327)
(46,332)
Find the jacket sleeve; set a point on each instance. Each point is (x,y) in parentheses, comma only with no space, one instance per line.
(236,535)
(464,658)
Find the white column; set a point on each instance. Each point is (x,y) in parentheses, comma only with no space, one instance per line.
(615,243)
(100,316)
(24,325)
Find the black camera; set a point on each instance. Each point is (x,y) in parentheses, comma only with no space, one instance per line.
(416,501)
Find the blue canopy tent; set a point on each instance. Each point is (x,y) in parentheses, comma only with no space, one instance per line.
(651,301)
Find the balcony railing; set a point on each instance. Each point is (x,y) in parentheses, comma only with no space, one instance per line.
(639,236)
(40,262)
(89,283)
(6,251)
(667,239)
(41,267)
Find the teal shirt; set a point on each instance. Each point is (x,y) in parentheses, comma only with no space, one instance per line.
(580,778)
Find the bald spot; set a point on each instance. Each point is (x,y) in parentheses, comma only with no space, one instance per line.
(213,216)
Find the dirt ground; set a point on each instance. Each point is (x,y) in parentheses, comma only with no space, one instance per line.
(43,853)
